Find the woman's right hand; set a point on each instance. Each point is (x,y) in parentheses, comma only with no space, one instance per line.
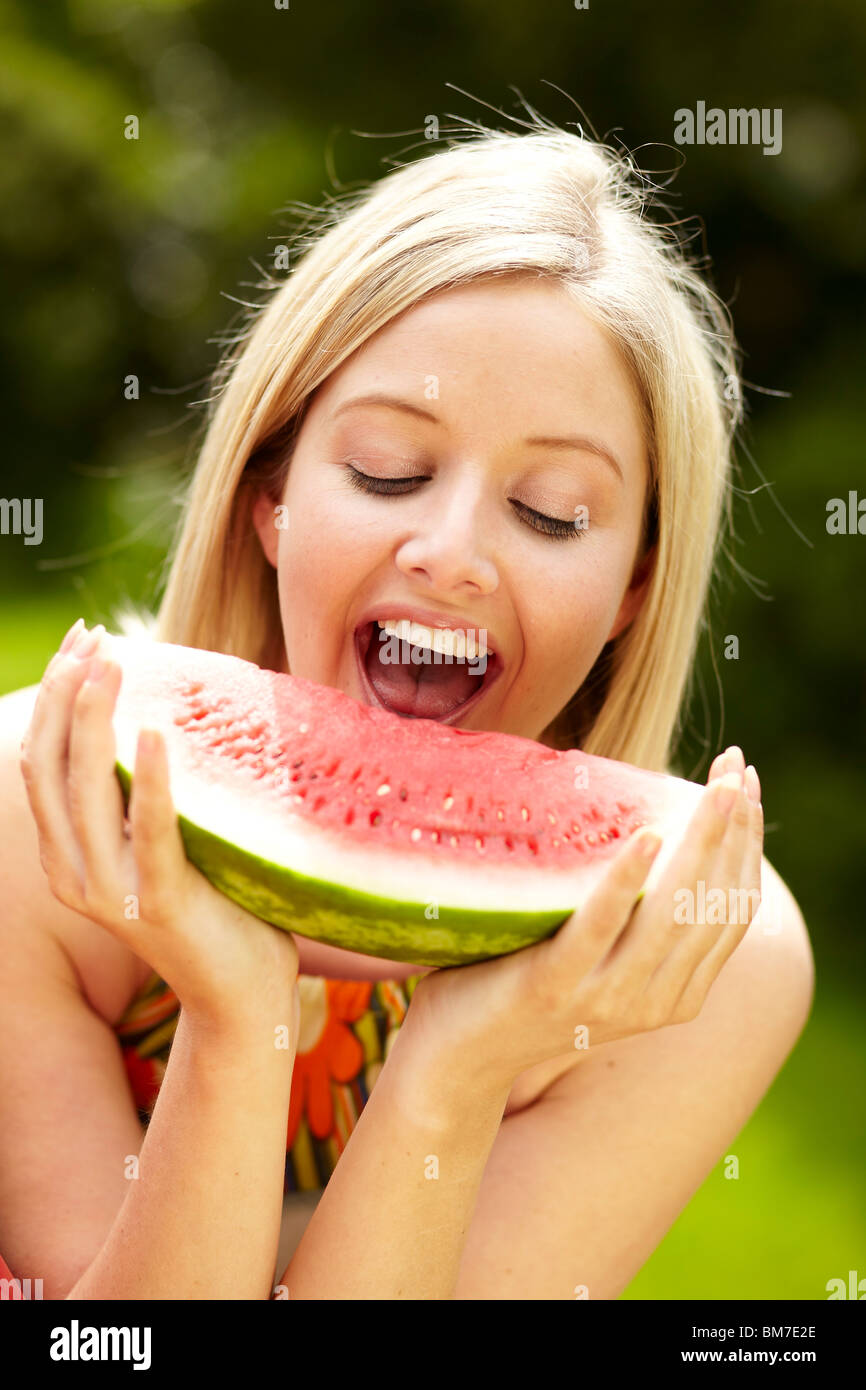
(132,877)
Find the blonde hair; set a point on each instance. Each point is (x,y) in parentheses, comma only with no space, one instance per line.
(492,202)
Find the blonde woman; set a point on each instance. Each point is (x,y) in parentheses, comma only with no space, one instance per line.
(484,346)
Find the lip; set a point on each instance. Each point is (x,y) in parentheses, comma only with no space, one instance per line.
(363,636)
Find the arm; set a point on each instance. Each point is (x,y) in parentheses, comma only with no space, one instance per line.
(202,1221)
(583,1184)
(212,1160)
(72,1211)
(393,1218)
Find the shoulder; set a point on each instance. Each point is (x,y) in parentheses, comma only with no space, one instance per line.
(107,971)
(776,956)
(760,1001)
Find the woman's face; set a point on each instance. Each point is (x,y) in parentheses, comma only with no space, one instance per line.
(497,401)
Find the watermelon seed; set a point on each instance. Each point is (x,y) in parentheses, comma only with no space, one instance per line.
(533,845)
(319,802)
(551,817)
(509,843)
(349,816)
(469,800)
(453,839)
(415,834)
(448,802)
(383,790)
(555,843)
(303,728)
(375,817)
(435,836)
(403,793)
(500,815)
(590,839)
(299,763)
(524,812)
(604,837)
(479,844)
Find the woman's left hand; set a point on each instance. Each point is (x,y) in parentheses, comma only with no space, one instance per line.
(613,969)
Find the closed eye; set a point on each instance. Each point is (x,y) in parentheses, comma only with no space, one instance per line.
(551,526)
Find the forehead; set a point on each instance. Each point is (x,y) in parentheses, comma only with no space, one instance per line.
(505,357)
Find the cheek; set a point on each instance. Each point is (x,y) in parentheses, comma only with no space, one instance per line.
(325,552)
(573,611)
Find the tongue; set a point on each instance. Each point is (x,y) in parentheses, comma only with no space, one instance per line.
(427,691)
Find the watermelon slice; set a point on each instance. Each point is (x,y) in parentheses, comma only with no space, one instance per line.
(403,838)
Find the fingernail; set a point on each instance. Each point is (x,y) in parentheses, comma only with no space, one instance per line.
(727,792)
(87,642)
(650,845)
(71,635)
(753,786)
(734,760)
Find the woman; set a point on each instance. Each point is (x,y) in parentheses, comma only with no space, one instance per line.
(539,352)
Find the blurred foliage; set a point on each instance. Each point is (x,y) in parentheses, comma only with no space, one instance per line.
(122,257)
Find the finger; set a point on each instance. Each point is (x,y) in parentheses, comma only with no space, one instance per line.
(156,839)
(586,937)
(95,797)
(731,760)
(717,916)
(717,768)
(755,848)
(690,1001)
(753,785)
(72,635)
(44,761)
(656,926)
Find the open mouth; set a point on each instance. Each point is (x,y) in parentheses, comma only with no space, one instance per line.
(418,683)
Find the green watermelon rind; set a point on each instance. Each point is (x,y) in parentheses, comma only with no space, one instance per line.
(352,920)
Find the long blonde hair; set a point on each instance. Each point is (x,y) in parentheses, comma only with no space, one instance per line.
(492,202)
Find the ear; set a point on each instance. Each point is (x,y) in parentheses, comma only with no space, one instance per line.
(264,516)
(634,595)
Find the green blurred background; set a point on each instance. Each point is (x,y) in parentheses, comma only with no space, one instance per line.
(123,257)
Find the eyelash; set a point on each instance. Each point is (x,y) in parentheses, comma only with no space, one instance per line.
(552,526)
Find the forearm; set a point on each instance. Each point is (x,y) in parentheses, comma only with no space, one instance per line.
(393,1219)
(201,1220)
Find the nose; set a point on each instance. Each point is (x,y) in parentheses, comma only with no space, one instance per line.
(447,546)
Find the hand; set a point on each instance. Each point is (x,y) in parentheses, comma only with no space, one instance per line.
(613,969)
(133,878)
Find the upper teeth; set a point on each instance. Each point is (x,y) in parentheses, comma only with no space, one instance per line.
(468,644)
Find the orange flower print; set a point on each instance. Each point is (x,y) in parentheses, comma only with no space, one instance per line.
(145,1077)
(328,1050)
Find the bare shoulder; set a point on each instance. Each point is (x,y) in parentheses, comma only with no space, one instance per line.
(107,971)
(776,954)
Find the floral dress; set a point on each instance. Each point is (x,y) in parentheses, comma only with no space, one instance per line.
(347,1028)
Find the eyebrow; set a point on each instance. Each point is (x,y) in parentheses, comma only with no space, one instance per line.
(581,442)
